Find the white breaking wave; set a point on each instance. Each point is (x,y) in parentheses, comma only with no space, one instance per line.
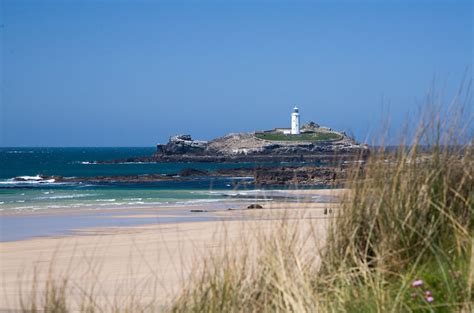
(199,201)
(80,195)
(34,181)
(26,180)
(96,163)
(25,208)
(37,177)
(17,151)
(132,163)
(107,204)
(249,193)
(105,200)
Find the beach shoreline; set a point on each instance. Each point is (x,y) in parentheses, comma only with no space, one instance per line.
(130,255)
(26,224)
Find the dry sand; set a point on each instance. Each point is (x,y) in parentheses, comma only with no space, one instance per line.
(146,262)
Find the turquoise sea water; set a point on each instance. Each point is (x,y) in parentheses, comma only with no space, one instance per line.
(94,200)
(36,194)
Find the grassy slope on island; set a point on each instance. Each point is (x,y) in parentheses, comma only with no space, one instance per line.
(317,136)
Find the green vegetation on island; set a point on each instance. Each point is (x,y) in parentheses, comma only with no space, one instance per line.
(313,136)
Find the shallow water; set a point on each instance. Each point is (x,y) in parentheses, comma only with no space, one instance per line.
(36,194)
(21,227)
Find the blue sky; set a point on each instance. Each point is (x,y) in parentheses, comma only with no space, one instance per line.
(132,73)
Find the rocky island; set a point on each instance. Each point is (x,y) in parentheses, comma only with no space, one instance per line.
(312,144)
(310,155)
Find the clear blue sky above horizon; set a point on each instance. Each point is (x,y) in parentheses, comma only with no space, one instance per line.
(132,73)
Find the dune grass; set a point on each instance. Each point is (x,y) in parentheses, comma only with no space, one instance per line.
(406,219)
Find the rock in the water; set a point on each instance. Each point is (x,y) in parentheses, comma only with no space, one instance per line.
(303,175)
(192,172)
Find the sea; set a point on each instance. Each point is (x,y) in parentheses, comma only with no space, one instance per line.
(34,194)
(37,194)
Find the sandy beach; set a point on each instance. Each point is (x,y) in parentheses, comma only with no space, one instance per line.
(150,262)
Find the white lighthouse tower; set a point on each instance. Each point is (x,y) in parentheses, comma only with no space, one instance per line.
(295,121)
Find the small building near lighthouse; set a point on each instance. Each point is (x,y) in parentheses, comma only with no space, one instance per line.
(310,132)
(295,121)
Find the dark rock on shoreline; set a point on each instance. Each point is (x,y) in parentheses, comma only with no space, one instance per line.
(308,158)
(286,175)
(192,172)
(306,175)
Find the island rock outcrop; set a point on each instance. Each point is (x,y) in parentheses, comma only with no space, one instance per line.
(249,147)
(181,144)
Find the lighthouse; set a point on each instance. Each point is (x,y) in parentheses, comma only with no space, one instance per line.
(295,121)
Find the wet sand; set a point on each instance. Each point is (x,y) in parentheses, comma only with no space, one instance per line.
(149,262)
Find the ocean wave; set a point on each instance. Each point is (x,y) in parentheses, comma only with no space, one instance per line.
(79,195)
(26,180)
(32,182)
(196,201)
(25,208)
(20,151)
(106,200)
(115,163)
(113,204)
(133,163)
(225,193)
